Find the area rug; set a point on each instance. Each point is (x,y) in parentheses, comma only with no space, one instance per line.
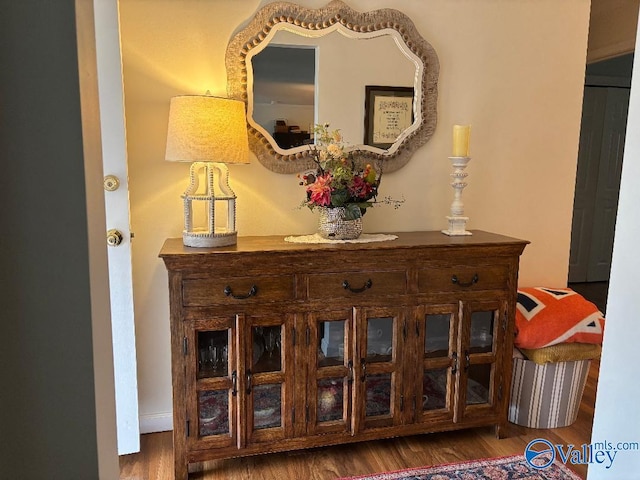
(512,468)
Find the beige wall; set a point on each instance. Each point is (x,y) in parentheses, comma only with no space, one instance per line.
(612,30)
(513,70)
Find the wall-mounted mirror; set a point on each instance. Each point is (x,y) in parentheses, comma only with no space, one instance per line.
(369,74)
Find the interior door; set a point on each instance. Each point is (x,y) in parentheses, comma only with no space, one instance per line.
(114,154)
(604,119)
(593,108)
(609,172)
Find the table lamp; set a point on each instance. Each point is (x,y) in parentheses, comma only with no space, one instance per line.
(210,132)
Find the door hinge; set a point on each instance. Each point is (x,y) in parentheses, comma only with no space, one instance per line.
(188,428)
(402,403)
(185,345)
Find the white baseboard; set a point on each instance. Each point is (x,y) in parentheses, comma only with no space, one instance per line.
(157,422)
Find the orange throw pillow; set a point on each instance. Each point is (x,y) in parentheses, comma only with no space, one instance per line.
(548,316)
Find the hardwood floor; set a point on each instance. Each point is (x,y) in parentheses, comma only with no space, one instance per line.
(155,461)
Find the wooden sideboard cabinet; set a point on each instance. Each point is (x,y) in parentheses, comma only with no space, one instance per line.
(280,346)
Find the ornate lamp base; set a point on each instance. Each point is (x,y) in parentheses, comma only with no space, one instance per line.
(457,226)
(216,190)
(205,240)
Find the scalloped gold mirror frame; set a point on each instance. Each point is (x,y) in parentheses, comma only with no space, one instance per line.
(252,36)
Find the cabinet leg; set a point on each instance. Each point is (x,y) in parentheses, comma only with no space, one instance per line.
(501,430)
(181,471)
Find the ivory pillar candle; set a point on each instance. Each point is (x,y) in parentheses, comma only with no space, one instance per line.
(461,134)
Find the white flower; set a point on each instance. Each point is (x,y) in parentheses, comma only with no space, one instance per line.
(335,151)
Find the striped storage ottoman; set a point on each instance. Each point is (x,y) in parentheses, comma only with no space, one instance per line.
(546,395)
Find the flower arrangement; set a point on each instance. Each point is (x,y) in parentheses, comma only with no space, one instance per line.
(337,181)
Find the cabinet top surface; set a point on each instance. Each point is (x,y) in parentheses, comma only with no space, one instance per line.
(173,247)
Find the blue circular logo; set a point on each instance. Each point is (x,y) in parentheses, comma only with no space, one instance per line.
(539,453)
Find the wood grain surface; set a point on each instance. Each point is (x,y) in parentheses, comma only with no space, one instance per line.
(155,461)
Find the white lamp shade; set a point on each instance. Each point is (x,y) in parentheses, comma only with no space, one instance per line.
(204,128)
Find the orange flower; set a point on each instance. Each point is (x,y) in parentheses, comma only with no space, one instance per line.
(320,191)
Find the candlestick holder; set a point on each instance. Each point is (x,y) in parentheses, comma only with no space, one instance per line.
(457,220)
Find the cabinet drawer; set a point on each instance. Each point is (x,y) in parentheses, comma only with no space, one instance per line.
(457,278)
(350,284)
(200,292)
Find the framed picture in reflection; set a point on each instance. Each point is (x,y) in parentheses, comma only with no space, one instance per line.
(388,111)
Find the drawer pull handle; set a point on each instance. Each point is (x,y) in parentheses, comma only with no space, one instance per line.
(455,280)
(368,284)
(252,293)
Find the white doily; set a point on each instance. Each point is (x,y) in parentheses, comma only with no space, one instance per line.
(364,238)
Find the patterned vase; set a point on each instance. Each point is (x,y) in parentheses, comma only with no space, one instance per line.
(333,226)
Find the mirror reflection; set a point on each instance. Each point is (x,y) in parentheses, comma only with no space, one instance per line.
(284,94)
(361,84)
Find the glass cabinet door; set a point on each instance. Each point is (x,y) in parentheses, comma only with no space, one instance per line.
(482,333)
(330,376)
(268,376)
(212,367)
(380,399)
(436,329)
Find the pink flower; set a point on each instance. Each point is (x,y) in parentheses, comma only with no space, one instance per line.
(359,188)
(320,190)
